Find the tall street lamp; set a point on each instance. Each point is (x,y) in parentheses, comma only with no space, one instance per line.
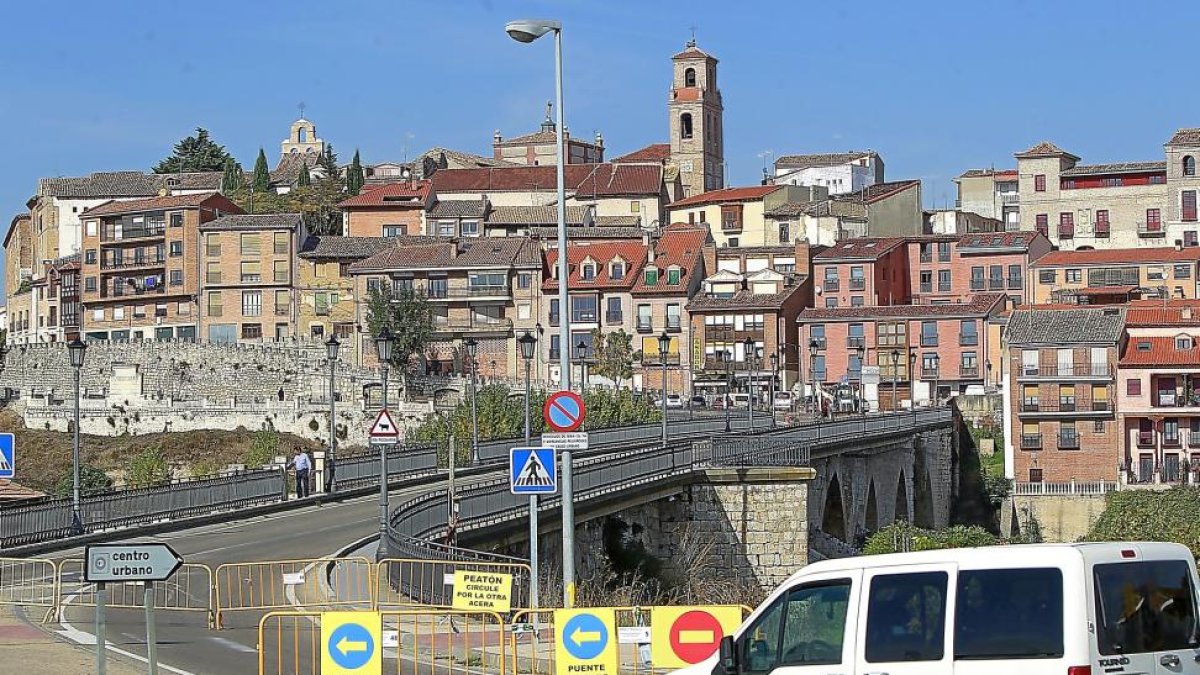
(751,352)
(472,350)
(76,349)
(861,352)
(331,352)
(664,343)
(581,353)
(727,357)
(895,377)
(774,374)
(814,346)
(936,375)
(528,344)
(383,349)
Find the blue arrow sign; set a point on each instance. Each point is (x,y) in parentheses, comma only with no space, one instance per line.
(8,456)
(585,636)
(532,471)
(351,646)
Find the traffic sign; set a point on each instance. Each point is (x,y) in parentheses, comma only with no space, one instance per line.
(532,471)
(687,635)
(130,562)
(585,641)
(571,440)
(564,411)
(384,427)
(477,591)
(351,643)
(8,456)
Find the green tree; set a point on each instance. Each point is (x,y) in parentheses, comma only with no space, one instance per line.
(262,174)
(92,481)
(354,177)
(901,536)
(328,161)
(234,178)
(614,355)
(303,179)
(148,467)
(264,446)
(408,316)
(195,153)
(1151,515)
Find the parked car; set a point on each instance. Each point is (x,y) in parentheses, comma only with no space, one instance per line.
(697,402)
(740,399)
(783,400)
(721,402)
(674,401)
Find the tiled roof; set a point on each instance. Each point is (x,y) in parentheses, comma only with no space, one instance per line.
(126,184)
(1094,291)
(1132,256)
(603,252)
(1122,167)
(981,304)
(331,247)
(463,159)
(787,210)
(618,221)
(679,245)
(391,195)
(535,137)
(655,152)
(586,180)
(1066,326)
(598,232)
(1002,174)
(877,192)
(1187,136)
(471,252)
(161,204)
(534,215)
(10,491)
(742,300)
(287,171)
(994,240)
(1044,149)
(1159,351)
(1151,313)
(822,159)
(691,51)
(865,248)
(458,208)
(259,221)
(724,195)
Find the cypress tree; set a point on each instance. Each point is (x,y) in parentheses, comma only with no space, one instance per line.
(354,176)
(303,180)
(262,175)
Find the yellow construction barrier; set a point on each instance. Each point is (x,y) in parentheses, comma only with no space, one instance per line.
(285,584)
(190,589)
(413,641)
(408,582)
(29,582)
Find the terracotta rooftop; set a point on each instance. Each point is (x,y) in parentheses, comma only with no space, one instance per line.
(196,200)
(10,491)
(534,215)
(1152,313)
(655,152)
(1185,137)
(725,195)
(866,248)
(679,245)
(691,51)
(586,180)
(126,184)
(602,252)
(344,248)
(822,159)
(258,221)
(995,240)
(877,192)
(467,252)
(1070,324)
(1121,167)
(998,174)
(743,300)
(1045,149)
(981,304)
(1130,256)
(1159,351)
(391,195)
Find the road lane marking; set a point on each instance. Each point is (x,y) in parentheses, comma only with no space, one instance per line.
(234,645)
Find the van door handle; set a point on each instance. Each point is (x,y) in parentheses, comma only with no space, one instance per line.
(1169,661)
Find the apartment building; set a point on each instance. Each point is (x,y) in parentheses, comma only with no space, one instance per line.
(1115,275)
(737,216)
(838,172)
(953,268)
(141,265)
(249,277)
(863,272)
(485,289)
(918,350)
(325,300)
(61,283)
(389,210)
(991,193)
(1060,394)
(18,279)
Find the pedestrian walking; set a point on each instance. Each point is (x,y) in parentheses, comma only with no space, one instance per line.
(303,465)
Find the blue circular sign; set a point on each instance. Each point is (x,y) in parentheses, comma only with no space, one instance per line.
(350,646)
(585,636)
(563,411)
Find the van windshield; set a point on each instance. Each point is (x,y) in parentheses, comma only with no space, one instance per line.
(1009,614)
(1145,606)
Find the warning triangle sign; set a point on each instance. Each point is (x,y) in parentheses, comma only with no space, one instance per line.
(384,426)
(534,473)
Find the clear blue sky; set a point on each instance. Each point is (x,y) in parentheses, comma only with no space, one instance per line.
(936,87)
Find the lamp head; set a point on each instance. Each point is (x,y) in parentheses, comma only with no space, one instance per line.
(77,348)
(472,347)
(813,346)
(331,347)
(664,343)
(527,343)
(528,30)
(383,345)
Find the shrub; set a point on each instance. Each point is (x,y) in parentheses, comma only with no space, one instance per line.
(264,446)
(902,536)
(92,481)
(148,467)
(1151,515)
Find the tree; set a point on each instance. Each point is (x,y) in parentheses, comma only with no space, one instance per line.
(354,177)
(614,355)
(195,153)
(148,467)
(329,162)
(409,318)
(92,481)
(234,178)
(262,174)
(303,179)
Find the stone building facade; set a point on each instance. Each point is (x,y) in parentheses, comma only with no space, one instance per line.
(325,300)
(697,121)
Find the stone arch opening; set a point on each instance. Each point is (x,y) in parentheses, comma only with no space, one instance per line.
(833,520)
(689,77)
(901,512)
(922,501)
(871,517)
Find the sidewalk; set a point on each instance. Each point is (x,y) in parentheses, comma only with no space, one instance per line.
(40,652)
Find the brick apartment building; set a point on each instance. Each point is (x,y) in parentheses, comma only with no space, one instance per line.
(1115,275)
(389,210)
(864,272)
(953,268)
(325,300)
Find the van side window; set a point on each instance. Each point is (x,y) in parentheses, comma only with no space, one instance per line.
(1144,607)
(806,626)
(906,617)
(1009,614)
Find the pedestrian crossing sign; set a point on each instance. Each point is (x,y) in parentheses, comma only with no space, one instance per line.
(8,460)
(533,471)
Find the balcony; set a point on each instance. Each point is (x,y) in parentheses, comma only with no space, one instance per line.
(1066,232)
(614,318)
(1031,441)
(1009,197)
(731,226)
(1016,283)
(858,284)
(1102,231)
(832,285)
(656,360)
(927,256)
(856,341)
(996,284)
(968,339)
(444,293)
(968,372)
(1170,398)
(926,287)
(820,342)
(1068,441)
(645,325)
(930,373)
(110,235)
(584,316)
(1069,406)
(1057,371)
(978,284)
(474,324)
(1151,229)
(124,264)
(157,290)
(719,366)
(673,324)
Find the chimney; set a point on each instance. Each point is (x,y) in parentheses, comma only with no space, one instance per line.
(1178,244)
(648,242)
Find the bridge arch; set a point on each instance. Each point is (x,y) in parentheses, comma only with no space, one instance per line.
(833,521)
(871,517)
(901,512)
(923,500)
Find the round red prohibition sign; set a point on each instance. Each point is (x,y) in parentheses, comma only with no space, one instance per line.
(695,636)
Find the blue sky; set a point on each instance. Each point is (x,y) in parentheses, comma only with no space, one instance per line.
(936,87)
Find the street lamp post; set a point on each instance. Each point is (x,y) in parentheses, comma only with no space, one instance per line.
(774,374)
(895,377)
(472,350)
(331,351)
(528,344)
(581,353)
(664,343)
(861,351)
(813,347)
(728,402)
(383,349)
(76,349)
(936,375)
(751,352)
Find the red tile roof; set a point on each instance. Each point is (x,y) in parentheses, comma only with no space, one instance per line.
(990,240)
(865,248)
(1044,149)
(1150,313)
(680,245)
(189,201)
(10,491)
(655,152)
(1158,351)
(981,304)
(724,195)
(603,252)
(391,195)
(877,192)
(586,180)
(691,51)
(1131,256)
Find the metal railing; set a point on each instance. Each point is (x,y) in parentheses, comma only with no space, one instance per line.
(1091,487)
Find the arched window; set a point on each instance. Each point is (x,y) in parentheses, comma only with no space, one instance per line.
(1189,165)
(685,125)
(689,77)
(303,135)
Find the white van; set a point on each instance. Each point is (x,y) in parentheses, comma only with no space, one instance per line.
(1066,609)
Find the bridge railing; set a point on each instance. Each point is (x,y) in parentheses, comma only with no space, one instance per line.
(362,470)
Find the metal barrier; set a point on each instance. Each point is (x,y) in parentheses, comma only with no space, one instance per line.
(362,470)
(403,582)
(282,584)
(413,640)
(190,589)
(29,582)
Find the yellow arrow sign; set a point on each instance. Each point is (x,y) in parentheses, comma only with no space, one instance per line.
(582,637)
(696,637)
(345,646)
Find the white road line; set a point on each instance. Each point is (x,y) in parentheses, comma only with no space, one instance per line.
(235,646)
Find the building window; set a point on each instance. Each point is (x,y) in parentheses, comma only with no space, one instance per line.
(1153,220)
(1046,276)
(732,242)
(1066,225)
(251,244)
(1183,271)
(673,275)
(212,273)
(251,303)
(944,281)
(469,228)
(685,125)
(283,300)
(251,272)
(785,233)
(616,271)
(1043,224)
(524,280)
(1188,198)
(89,256)
(968,333)
(1102,228)
(645,320)
(176,249)
(856,301)
(831,303)
(1133,386)
(214,304)
(689,77)
(1189,165)
(929,336)
(943,251)
(212,245)
(176,277)
(251,331)
(446,228)
(395,230)
(651,276)
(1190,238)
(1039,183)
(1074,276)
(281,272)
(589,271)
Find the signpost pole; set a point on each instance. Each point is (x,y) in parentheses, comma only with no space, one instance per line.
(101,599)
(151,639)
(568,530)
(450,491)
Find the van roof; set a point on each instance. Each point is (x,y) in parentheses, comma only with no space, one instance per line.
(983,557)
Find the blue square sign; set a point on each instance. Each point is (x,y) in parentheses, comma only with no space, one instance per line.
(8,456)
(532,471)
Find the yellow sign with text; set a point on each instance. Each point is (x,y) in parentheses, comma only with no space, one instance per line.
(478,591)
(585,641)
(682,636)
(351,643)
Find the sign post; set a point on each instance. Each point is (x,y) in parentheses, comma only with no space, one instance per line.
(8,456)
(121,563)
(533,472)
(564,411)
